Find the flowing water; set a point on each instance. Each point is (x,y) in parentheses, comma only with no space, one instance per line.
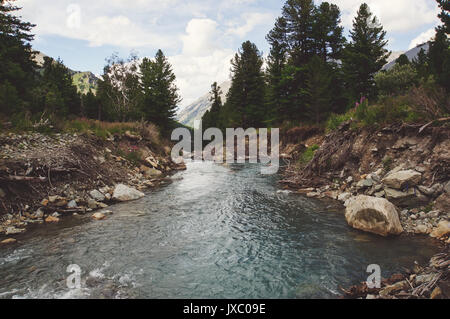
(214,232)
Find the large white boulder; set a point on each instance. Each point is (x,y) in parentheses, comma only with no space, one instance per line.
(374,215)
(124,193)
(402,179)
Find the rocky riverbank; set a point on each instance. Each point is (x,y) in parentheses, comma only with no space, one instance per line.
(44,178)
(391,180)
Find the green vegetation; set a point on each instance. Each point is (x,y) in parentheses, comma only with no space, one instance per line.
(308,155)
(303,83)
(46,97)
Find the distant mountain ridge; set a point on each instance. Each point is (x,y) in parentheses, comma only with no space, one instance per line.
(411,54)
(84,81)
(196,110)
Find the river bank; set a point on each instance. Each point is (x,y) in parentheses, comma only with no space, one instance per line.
(44,178)
(392,180)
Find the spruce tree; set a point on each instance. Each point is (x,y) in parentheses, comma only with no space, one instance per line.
(17,74)
(318,88)
(366,54)
(245,100)
(160,94)
(402,60)
(276,62)
(328,33)
(444,15)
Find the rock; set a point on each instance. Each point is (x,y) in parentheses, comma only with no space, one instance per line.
(98,216)
(421,229)
(124,193)
(150,160)
(443,203)
(150,172)
(8,241)
(92,203)
(39,213)
(375,215)
(442,230)
(13,230)
(436,294)
(380,194)
(2,193)
(56,214)
(433,191)
(52,219)
(97,195)
(365,183)
(402,179)
(394,288)
(410,198)
(344,197)
(72,204)
(313,195)
(57,201)
(349,180)
(447,188)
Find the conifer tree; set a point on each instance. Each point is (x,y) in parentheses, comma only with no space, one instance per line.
(17,74)
(245,100)
(160,94)
(366,54)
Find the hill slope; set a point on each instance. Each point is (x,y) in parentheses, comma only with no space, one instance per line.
(195,111)
(84,81)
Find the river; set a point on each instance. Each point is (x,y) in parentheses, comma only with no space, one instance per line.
(214,232)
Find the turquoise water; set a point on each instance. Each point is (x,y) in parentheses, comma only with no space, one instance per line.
(214,232)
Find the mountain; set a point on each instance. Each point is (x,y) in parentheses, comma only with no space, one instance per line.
(411,54)
(195,111)
(84,81)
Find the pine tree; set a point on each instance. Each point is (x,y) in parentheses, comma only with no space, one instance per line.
(57,92)
(421,64)
(444,15)
(299,17)
(17,74)
(160,94)
(366,54)
(245,100)
(328,33)
(318,87)
(276,62)
(402,60)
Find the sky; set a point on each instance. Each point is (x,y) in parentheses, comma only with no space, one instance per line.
(199,37)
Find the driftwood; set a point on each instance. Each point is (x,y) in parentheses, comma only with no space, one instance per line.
(14,178)
(428,124)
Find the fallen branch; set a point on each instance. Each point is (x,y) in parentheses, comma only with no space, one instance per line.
(13,178)
(428,124)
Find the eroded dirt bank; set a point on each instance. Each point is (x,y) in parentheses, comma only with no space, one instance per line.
(408,166)
(46,177)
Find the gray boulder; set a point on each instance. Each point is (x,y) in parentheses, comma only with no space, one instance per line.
(374,215)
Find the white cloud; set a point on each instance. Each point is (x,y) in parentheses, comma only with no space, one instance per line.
(422,38)
(200,37)
(202,61)
(252,20)
(395,15)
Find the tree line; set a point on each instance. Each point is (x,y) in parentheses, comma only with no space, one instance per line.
(313,71)
(129,90)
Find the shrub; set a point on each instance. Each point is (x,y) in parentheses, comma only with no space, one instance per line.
(398,80)
(335,120)
(308,155)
